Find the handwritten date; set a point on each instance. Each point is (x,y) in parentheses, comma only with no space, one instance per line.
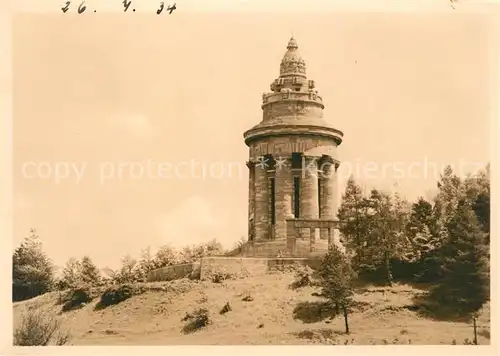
(126,4)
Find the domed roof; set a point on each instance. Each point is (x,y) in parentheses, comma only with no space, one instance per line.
(293,107)
(292,63)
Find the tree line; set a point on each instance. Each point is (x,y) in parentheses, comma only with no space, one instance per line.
(34,273)
(443,243)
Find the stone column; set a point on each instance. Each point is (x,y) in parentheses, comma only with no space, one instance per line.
(309,204)
(328,190)
(261,219)
(284,191)
(251,200)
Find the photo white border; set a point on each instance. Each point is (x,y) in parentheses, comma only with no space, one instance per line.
(7,10)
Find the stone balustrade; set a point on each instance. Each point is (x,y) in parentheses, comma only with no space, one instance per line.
(293,235)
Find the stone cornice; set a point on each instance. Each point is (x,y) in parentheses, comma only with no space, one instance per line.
(288,130)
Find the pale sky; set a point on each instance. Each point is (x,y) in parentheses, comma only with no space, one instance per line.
(96,92)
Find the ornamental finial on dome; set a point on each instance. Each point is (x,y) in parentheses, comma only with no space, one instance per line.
(292,44)
(292,63)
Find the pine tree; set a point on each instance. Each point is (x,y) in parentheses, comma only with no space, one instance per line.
(465,269)
(32,270)
(77,274)
(423,242)
(401,210)
(89,273)
(353,220)
(336,281)
(481,207)
(427,257)
(71,274)
(477,190)
(418,229)
(451,190)
(420,217)
(386,241)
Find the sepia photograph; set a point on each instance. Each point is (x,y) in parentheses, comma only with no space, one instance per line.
(289,176)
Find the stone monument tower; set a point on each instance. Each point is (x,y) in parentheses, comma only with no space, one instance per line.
(292,161)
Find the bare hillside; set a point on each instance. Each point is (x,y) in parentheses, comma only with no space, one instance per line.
(271,313)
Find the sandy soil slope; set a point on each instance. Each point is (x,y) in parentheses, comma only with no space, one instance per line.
(276,315)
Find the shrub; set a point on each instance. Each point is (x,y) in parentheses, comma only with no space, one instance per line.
(198,319)
(219,277)
(39,329)
(220,274)
(77,298)
(115,295)
(303,276)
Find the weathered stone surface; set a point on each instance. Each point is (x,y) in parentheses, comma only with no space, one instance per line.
(171,272)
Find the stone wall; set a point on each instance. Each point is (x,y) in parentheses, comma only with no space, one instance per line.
(171,272)
(263,249)
(271,249)
(249,267)
(236,267)
(278,263)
